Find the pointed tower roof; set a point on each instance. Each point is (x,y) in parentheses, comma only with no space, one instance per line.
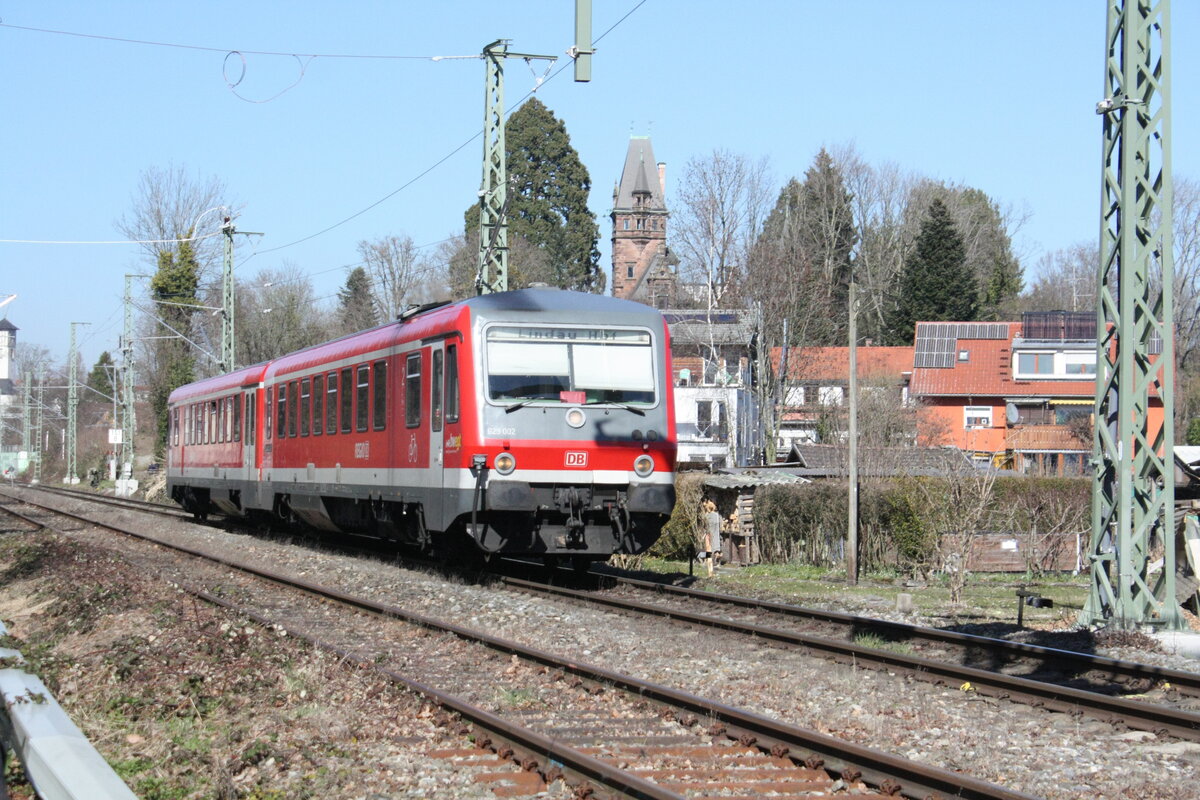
(640,175)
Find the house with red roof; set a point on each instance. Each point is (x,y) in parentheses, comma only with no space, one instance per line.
(817,381)
(1014,394)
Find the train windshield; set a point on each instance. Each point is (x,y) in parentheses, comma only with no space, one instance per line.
(569,365)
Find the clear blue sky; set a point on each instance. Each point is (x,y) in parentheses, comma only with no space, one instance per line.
(995,95)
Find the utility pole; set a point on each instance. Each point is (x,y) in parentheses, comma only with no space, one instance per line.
(72,404)
(128,412)
(26,408)
(39,414)
(852,478)
(492,264)
(1133,487)
(228,340)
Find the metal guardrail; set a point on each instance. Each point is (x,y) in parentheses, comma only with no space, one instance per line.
(59,760)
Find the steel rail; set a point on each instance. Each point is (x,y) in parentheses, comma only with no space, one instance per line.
(532,741)
(1186,682)
(877,768)
(1143,716)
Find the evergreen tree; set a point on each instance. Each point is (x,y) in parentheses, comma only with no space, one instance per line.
(356,310)
(547,204)
(173,287)
(936,284)
(100,377)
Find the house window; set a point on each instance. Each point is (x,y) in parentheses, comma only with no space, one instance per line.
(794,396)
(704,418)
(629,271)
(830,395)
(977,417)
(1039,364)
(964,356)
(625,224)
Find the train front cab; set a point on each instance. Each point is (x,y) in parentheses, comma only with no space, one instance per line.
(576,447)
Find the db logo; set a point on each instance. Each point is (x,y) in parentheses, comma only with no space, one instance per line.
(576,459)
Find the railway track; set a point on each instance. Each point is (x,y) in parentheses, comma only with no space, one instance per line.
(1080,684)
(645,740)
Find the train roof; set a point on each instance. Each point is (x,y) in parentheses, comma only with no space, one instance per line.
(548,300)
(246,376)
(430,319)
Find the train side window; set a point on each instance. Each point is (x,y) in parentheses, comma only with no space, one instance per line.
(268,412)
(331,406)
(412,391)
(211,433)
(227,410)
(435,391)
(452,383)
(249,417)
(318,398)
(361,395)
(193,416)
(187,425)
(281,411)
(293,403)
(236,403)
(347,400)
(379,407)
(221,420)
(305,406)
(175,427)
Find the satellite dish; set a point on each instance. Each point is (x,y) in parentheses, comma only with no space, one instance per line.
(1011,414)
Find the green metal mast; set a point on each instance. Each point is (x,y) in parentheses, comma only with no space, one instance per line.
(228,357)
(492,272)
(72,475)
(39,416)
(1133,490)
(128,414)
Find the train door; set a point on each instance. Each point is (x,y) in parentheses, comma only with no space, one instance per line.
(445,430)
(249,418)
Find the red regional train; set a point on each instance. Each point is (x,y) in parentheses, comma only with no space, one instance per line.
(532,422)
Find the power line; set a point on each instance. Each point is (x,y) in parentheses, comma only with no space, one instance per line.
(111,241)
(176,45)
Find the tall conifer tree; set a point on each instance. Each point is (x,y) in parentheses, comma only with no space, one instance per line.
(547,205)
(936,284)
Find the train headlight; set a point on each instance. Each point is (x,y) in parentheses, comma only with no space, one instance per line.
(576,418)
(643,465)
(505,463)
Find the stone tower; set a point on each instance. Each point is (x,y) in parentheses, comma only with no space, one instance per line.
(643,267)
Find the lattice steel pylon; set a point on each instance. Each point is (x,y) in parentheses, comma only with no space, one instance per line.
(1133,489)
(492,267)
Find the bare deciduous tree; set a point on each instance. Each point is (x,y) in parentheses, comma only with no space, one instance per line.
(277,313)
(722,201)
(167,205)
(395,266)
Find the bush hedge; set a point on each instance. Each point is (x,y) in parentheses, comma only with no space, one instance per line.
(901,520)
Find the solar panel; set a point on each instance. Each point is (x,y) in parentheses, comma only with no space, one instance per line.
(937,342)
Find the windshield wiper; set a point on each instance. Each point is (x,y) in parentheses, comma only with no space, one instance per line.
(520,404)
(626,406)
